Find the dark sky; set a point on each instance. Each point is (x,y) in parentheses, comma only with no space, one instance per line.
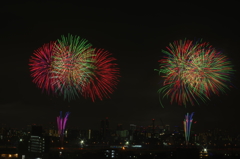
(135,34)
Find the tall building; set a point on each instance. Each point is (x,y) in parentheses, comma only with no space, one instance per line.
(153,128)
(102,129)
(105,129)
(107,123)
(36,143)
(119,127)
(153,125)
(89,134)
(122,133)
(167,128)
(133,127)
(131,131)
(52,131)
(36,130)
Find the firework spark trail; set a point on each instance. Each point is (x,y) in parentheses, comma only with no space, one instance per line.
(41,67)
(70,66)
(187,123)
(193,70)
(106,74)
(73,64)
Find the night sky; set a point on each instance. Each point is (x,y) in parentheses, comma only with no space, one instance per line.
(135,34)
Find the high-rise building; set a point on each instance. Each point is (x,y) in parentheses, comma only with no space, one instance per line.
(131,131)
(107,128)
(36,130)
(104,129)
(119,127)
(52,131)
(133,127)
(107,123)
(111,153)
(122,133)
(89,134)
(36,143)
(153,126)
(167,128)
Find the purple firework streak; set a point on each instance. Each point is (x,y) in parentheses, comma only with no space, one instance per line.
(61,123)
(187,123)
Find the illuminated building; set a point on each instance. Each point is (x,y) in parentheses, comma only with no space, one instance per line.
(122,133)
(111,153)
(52,130)
(8,153)
(89,134)
(36,143)
(203,153)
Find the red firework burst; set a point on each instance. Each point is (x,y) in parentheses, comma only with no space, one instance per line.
(105,77)
(41,67)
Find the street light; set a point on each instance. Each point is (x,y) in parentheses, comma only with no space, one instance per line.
(82,143)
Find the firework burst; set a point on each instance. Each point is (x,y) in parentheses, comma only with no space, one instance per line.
(73,64)
(105,77)
(193,70)
(41,67)
(70,66)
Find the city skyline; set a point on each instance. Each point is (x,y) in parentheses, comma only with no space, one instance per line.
(136,38)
